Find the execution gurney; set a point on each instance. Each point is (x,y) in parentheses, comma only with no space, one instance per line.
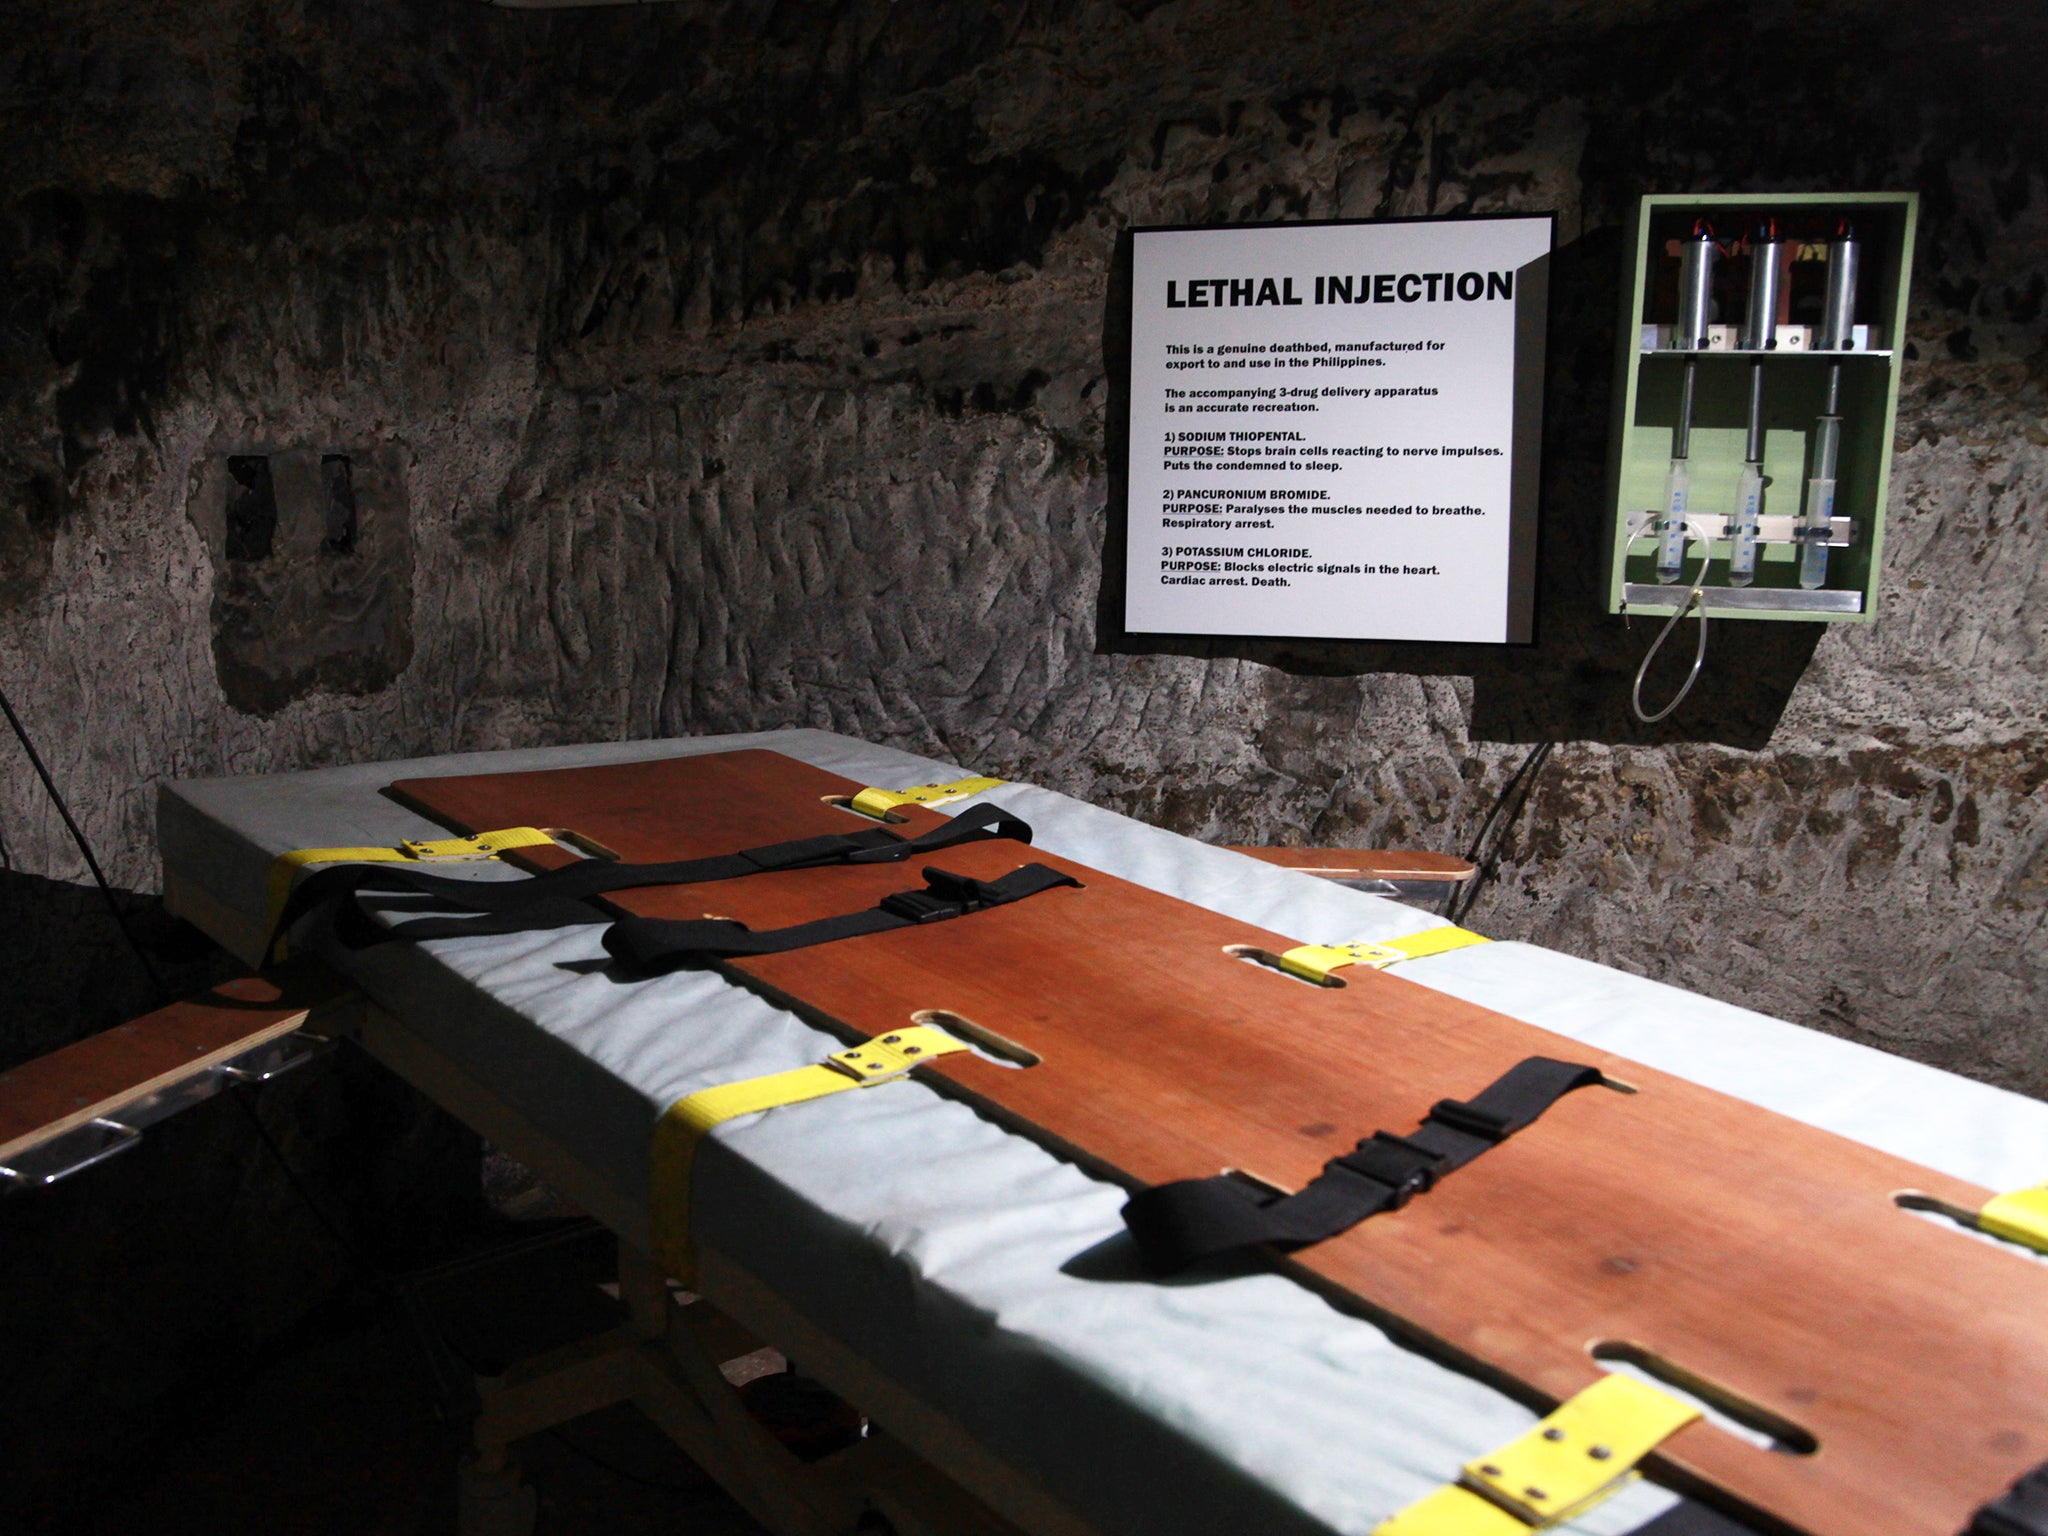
(916,1257)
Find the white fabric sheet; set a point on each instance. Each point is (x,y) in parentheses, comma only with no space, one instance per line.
(938,1245)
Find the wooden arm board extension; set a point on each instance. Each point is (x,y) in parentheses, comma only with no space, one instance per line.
(1366,863)
(140,1066)
(1742,1254)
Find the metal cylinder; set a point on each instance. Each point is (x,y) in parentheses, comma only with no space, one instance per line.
(1681,434)
(1838,319)
(1753,439)
(1760,325)
(1695,290)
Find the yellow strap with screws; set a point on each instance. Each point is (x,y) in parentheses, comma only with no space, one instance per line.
(882,1059)
(879,802)
(1315,962)
(2019,1217)
(1569,1462)
(284,869)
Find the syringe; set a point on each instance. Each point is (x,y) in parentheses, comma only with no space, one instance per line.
(1837,334)
(1759,335)
(1695,292)
(1819,526)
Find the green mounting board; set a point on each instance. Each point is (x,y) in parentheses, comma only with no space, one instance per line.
(1795,384)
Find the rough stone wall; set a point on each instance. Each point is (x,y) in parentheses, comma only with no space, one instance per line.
(727,366)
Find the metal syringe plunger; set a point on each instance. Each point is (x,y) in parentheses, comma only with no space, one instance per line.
(1695,311)
(1695,287)
(1760,322)
(1759,335)
(1838,316)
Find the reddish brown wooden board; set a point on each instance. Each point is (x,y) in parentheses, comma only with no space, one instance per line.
(1750,1250)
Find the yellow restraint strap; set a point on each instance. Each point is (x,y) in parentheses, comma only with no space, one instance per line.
(2020,1217)
(483,845)
(1568,1463)
(1315,962)
(878,802)
(880,1060)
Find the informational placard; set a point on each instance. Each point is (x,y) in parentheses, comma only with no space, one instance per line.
(1334,429)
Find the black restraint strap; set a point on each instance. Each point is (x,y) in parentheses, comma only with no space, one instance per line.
(2022,1510)
(1185,1222)
(650,945)
(559,898)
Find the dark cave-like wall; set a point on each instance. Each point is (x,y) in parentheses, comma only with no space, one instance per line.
(695,367)
(711,367)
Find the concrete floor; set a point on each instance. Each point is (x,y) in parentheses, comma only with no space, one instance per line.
(355,1428)
(341,1439)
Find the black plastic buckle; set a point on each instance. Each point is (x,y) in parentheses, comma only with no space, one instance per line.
(963,890)
(945,895)
(1469,1119)
(1404,1168)
(920,907)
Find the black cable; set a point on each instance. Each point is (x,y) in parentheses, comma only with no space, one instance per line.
(1515,791)
(349,1248)
(77,836)
(1506,809)
(1501,799)
(555,1434)
(561,1230)
(382,1287)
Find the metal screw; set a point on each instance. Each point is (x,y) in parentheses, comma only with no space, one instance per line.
(1536,1494)
(913,1050)
(1600,1453)
(890,1039)
(1553,1433)
(1490,1471)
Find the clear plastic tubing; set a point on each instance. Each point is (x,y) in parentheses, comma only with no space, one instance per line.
(1820,502)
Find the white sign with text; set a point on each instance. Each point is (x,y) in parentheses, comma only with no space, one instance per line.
(1334,429)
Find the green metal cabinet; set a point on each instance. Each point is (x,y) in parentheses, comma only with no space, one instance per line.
(1646,397)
